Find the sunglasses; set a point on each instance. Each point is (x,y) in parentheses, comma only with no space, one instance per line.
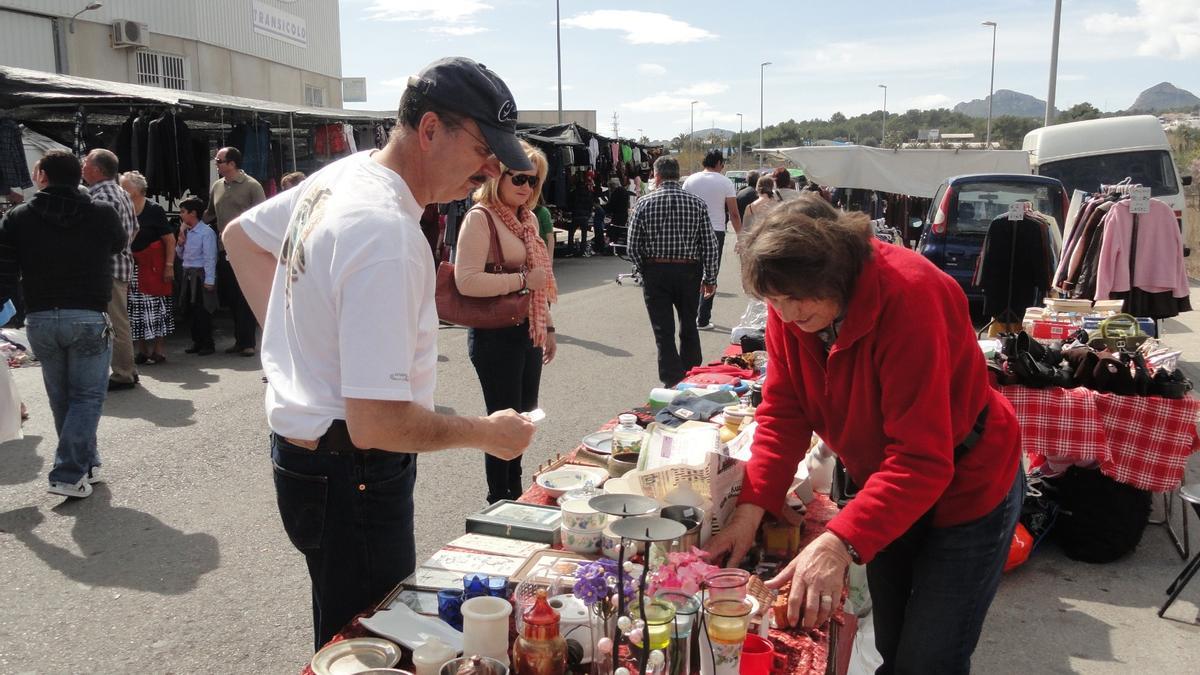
(519,179)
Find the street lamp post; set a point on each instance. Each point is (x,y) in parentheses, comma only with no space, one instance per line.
(883,138)
(91,6)
(692,135)
(741,141)
(1053,63)
(558,55)
(992,85)
(762,78)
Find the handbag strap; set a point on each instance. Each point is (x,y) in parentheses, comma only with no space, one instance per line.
(495,251)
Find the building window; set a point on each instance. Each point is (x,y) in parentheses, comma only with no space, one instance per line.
(161,70)
(314,96)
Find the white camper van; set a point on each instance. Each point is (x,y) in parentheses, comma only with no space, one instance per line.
(1084,155)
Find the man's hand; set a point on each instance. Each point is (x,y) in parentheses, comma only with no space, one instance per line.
(736,538)
(507,434)
(708,290)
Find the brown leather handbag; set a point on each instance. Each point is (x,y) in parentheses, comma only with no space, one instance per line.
(502,311)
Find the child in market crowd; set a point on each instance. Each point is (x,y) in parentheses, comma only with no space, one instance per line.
(197,248)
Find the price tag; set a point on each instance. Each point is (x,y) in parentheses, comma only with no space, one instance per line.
(1139,200)
(1016,211)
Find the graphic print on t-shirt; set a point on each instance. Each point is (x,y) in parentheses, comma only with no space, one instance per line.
(307,216)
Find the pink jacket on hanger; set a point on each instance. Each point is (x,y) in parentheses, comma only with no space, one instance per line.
(1158,264)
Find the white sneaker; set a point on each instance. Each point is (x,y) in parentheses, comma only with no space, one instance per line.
(705,326)
(77,490)
(93,476)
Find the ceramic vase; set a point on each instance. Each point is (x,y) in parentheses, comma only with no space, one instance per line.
(485,627)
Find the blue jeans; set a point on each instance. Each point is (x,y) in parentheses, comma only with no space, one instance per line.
(74,347)
(351,515)
(931,589)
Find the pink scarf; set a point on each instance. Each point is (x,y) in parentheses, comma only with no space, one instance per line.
(535,256)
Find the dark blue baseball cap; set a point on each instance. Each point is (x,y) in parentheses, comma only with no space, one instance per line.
(464,86)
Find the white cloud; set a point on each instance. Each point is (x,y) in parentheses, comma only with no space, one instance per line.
(565,87)
(395,83)
(703,89)
(640,28)
(652,69)
(930,101)
(456,31)
(1162,28)
(425,10)
(679,99)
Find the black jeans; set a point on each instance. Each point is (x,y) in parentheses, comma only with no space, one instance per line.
(510,373)
(668,288)
(705,315)
(932,587)
(244,322)
(351,515)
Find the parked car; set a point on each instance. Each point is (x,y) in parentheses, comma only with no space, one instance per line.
(962,210)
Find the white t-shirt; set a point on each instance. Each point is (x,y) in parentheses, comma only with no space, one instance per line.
(352,312)
(713,188)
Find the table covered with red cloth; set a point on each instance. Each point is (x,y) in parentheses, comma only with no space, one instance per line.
(1143,441)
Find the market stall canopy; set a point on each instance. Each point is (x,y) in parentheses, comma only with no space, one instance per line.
(21,89)
(916,173)
(554,134)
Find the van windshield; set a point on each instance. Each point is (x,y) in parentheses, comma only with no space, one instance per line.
(979,203)
(1151,168)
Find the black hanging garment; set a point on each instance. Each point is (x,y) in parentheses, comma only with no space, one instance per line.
(1014,269)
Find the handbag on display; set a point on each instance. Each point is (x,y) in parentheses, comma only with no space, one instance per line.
(1119,332)
(497,311)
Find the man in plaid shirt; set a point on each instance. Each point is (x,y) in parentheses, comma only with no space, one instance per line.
(100,171)
(672,244)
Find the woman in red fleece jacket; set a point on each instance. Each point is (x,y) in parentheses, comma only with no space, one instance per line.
(871,347)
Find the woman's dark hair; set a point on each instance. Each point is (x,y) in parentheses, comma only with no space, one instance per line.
(766,186)
(805,249)
(61,167)
(712,158)
(783,178)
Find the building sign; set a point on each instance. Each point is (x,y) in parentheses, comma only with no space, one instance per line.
(278,24)
(354,90)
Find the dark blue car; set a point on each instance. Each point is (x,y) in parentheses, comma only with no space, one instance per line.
(963,208)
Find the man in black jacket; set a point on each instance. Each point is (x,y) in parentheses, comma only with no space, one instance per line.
(61,245)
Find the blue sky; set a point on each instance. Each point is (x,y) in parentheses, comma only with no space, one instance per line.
(647,61)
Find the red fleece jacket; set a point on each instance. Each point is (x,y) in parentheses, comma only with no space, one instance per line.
(902,386)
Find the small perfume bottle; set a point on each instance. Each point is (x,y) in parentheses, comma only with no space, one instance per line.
(540,650)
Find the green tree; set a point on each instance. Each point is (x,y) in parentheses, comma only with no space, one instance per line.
(1010,130)
(1079,112)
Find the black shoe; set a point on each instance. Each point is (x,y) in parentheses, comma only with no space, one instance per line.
(113,385)
(141,359)
(205,351)
(191,350)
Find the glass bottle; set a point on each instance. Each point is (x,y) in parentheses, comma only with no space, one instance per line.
(540,650)
(627,436)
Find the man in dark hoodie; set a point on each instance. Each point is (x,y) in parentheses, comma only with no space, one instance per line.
(61,244)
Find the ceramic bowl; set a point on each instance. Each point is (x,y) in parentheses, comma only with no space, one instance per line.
(559,481)
(622,463)
(577,515)
(610,542)
(586,542)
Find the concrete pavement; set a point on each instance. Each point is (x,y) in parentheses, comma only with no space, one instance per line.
(180,563)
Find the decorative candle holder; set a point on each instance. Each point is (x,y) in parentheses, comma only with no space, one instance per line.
(474,585)
(648,529)
(450,607)
(485,627)
(687,609)
(657,625)
(727,584)
(497,587)
(726,625)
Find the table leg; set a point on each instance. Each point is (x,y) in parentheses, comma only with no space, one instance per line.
(1182,547)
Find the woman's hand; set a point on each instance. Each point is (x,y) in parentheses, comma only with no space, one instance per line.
(736,538)
(535,279)
(817,577)
(550,349)
(169,274)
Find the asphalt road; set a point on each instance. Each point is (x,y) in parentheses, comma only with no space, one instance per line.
(179,564)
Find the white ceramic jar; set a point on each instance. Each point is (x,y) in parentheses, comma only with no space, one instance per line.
(485,627)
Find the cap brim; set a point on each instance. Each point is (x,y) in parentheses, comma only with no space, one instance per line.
(506,147)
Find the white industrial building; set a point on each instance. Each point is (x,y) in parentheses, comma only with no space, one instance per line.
(286,51)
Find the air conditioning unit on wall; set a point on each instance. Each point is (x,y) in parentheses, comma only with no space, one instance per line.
(130,34)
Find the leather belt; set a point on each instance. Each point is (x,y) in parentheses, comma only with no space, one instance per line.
(674,261)
(974,436)
(335,440)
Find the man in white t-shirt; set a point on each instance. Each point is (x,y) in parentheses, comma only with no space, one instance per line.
(718,193)
(350,333)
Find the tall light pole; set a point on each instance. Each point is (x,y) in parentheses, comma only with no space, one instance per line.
(692,135)
(1053,63)
(883,138)
(91,6)
(558,53)
(992,85)
(762,79)
(741,141)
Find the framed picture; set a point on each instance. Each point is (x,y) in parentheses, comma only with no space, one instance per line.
(513,520)
(426,579)
(470,562)
(497,545)
(549,565)
(421,602)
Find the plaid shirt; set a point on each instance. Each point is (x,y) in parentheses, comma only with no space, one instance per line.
(109,192)
(671,223)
